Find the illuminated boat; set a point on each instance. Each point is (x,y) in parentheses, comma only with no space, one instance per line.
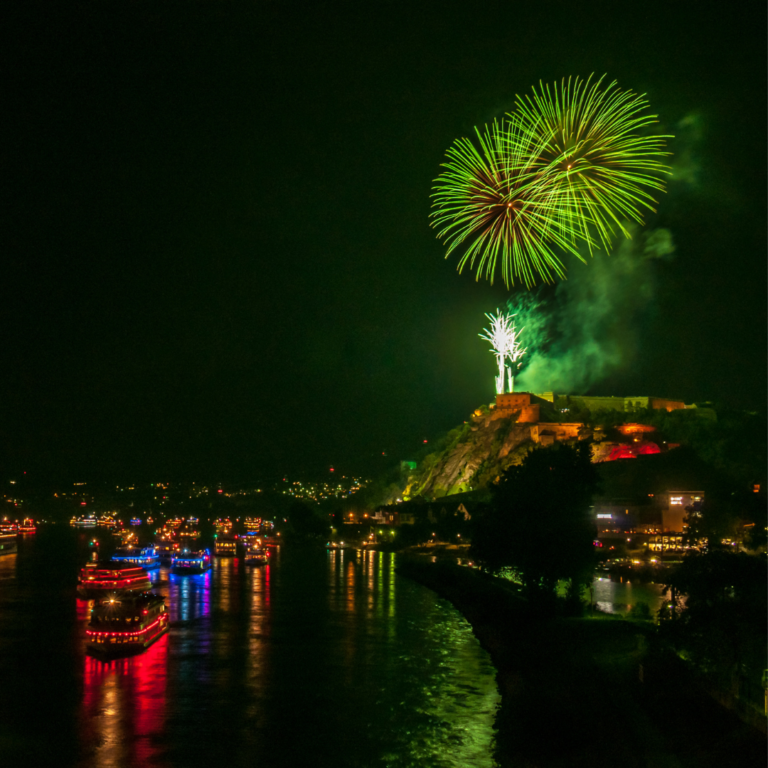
(167,550)
(8,539)
(191,562)
(252,524)
(27,526)
(106,521)
(225,547)
(146,557)
(135,521)
(256,556)
(222,526)
(188,534)
(111,579)
(120,626)
(85,521)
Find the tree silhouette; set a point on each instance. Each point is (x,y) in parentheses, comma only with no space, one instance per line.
(538,522)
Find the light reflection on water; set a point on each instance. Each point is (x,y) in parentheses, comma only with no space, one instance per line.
(319,658)
(612,595)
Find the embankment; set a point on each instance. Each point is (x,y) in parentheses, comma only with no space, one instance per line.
(573,693)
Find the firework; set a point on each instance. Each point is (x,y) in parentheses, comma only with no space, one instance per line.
(504,338)
(564,171)
(493,200)
(591,146)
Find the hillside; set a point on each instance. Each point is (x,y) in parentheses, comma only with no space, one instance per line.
(474,454)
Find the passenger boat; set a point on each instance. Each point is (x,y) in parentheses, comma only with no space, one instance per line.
(167,550)
(191,562)
(85,521)
(8,537)
(188,534)
(106,521)
(120,626)
(135,521)
(111,579)
(27,526)
(256,556)
(223,526)
(225,546)
(146,557)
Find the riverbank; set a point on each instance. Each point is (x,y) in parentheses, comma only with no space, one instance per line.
(587,692)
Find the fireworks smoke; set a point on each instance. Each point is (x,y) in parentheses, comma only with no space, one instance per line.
(595,318)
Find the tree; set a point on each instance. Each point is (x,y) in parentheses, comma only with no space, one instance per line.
(304,522)
(538,522)
(721,624)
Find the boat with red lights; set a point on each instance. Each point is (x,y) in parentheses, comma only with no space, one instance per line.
(111,579)
(257,556)
(167,550)
(120,626)
(27,525)
(146,557)
(8,537)
(191,562)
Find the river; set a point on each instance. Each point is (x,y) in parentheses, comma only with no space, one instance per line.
(319,658)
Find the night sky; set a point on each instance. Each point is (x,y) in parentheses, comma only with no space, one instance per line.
(216,253)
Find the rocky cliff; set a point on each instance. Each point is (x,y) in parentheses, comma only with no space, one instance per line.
(477,453)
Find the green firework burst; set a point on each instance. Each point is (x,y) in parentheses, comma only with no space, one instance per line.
(493,201)
(593,149)
(564,170)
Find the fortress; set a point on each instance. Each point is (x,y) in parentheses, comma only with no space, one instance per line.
(527,407)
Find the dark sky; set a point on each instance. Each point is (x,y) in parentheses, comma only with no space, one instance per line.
(216,254)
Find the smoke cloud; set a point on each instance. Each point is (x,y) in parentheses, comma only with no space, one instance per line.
(590,328)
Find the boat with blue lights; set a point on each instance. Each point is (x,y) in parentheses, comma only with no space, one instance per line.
(188,562)
(122,626)
(111,579)
(146,557)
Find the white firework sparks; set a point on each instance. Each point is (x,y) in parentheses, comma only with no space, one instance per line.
(504,337)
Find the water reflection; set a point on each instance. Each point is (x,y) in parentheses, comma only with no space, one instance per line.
(618,595)
(124,705)
(189,596)
(318,658)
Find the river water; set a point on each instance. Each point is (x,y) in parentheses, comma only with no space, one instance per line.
(320,658)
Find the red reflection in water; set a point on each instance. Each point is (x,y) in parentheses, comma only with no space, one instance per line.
(266,585)
(124,703)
